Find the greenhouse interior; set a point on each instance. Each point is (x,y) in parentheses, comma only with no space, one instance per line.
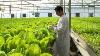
(40,28)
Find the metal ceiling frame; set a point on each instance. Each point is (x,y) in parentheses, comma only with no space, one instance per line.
(28,3)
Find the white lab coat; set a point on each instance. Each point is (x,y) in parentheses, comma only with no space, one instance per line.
(62,44)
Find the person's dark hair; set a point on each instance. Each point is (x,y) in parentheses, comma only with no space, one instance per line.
(58,8)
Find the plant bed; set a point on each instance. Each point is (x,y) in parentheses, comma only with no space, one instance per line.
(81,45)
(89,30)
(26,37)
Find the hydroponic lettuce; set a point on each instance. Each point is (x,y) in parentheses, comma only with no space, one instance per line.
(26,37)
(89,28)
(45,54)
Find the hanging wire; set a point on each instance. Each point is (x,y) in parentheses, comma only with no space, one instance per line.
(3,10)
(94,8)
(64,7)
(21,10)
(10,8)
(33,10)
(16,10)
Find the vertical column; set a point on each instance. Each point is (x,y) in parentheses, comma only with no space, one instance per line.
(94,8)
(10,10)
(88,10)
(21,10)
(61,2)
(64,6)
(69,15)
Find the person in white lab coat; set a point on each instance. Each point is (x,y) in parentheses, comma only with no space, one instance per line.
(62,43)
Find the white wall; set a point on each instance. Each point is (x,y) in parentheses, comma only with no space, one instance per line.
(44,13)
(85,12)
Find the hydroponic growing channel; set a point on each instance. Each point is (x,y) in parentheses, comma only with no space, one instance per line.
(89,30)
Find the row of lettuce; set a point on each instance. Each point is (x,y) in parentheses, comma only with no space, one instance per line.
(26,37)
(33,36)
(89,30)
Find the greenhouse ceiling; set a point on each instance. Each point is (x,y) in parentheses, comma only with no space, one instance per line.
(34,4)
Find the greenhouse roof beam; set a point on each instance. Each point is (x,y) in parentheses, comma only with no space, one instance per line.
(28,2)
(93,2)
(66,3)
(78,5)
(22,4)
(4,5)
(8,1)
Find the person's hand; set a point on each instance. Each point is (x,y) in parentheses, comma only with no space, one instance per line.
(51,27)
